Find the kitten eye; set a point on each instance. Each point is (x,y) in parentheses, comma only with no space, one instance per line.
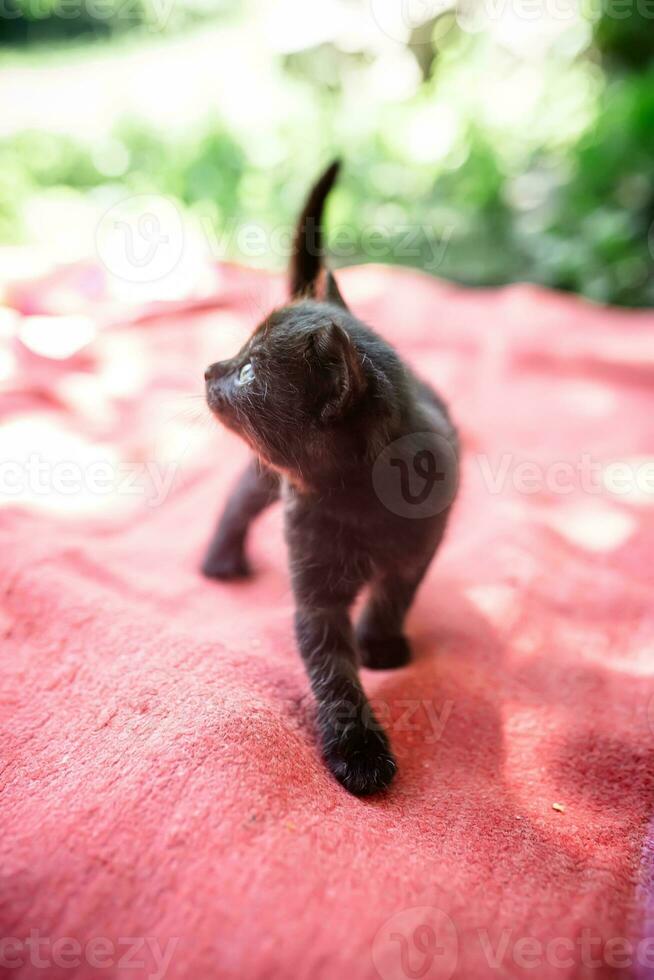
(246,374)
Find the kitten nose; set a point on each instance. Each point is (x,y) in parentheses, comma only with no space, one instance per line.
(212,372)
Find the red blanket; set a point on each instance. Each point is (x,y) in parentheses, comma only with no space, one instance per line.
(164,808)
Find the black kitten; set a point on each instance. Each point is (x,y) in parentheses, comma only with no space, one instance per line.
(338,425)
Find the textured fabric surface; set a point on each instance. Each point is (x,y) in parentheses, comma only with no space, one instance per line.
(164,810)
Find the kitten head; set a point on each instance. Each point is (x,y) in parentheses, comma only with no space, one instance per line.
(301,390)
(294,386)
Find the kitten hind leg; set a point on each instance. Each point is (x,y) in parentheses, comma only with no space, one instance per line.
(380,630)
(256,489)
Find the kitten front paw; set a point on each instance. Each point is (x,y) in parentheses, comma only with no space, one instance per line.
(361,760)
(226,565)
(383,652)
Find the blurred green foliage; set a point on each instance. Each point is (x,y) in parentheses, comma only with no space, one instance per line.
(25,22)
(602,220)
(573,211)
(41,21)
(623,34)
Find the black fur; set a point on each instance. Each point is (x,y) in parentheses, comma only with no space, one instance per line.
(319,397)
(306,261)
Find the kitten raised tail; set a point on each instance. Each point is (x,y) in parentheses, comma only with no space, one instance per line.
(308,247)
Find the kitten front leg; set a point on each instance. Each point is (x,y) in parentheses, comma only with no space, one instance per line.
(257,488)
(354,745)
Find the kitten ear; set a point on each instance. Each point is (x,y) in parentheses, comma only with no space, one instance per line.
(333,293)
(341,365)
